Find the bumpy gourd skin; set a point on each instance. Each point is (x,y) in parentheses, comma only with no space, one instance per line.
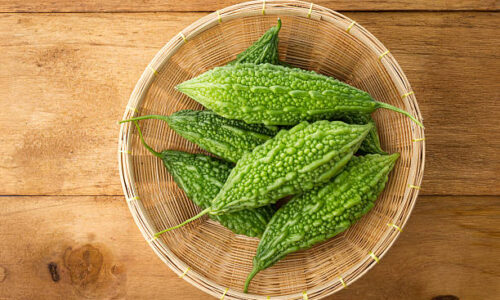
(324,211)
(201,177)
(278,95)
(264,50)
(292,162)
(275,95)
(371,144)
(226,138)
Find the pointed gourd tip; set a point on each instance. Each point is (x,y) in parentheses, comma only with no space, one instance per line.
(381,152)
(365,128)
(181,86)
(279,24)
(394,157)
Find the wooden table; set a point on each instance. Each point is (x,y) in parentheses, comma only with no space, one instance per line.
(68,67)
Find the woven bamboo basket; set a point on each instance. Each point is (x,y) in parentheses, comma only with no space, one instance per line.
(208,255)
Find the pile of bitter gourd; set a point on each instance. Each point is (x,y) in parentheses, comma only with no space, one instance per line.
(329,157)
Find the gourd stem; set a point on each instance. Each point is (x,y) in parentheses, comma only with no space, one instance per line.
(252,274)
(203,212)
(278,27)
(399,110)
(158,117)
(158,154)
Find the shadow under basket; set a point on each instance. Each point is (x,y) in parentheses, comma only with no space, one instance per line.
(211,257)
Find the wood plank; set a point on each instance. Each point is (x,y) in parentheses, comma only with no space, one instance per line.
(65,83)
(202,5)
(452,62)
(448,247)
(65,80)
(79,248)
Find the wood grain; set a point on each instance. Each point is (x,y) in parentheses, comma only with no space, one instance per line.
(65,80)
(64,85)
(448,247)
(452,63)
(79,248)
(88,247)
(202,5)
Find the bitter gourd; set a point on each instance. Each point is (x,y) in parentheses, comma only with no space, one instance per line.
(201,178)
(293,161)
(371,144)
(264,50)
(228,139)
(324,211)
(278,95)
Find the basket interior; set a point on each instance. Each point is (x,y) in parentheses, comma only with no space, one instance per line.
(210,250)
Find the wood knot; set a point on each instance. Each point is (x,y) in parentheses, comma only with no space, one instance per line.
(84,264)
(446,297)
(93,272)
(54,274)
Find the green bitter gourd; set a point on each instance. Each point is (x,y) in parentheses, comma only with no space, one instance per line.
(201,178)
(371,144)
(264,50)
(278,95)
(228,139)
(292,162)
(324,211)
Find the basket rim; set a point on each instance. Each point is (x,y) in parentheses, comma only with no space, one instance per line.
(255,8)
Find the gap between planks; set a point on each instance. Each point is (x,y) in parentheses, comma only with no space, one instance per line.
(210,11)
(110,195)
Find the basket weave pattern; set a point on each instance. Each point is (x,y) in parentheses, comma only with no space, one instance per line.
(205,253)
